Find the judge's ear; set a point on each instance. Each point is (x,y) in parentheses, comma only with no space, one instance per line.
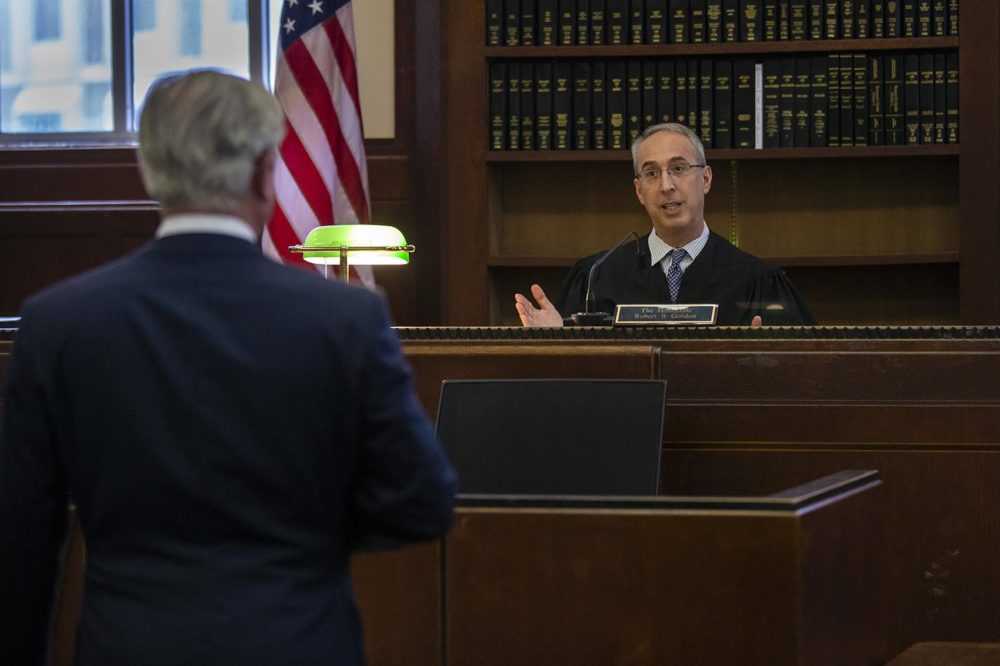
(707,175)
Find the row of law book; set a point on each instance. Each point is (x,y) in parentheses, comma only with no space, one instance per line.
(619,22)
(836,99)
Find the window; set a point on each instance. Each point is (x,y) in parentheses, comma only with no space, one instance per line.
(6,51)
(62,70)
(93,31)
(48,20)
(143,15)
(190,27)
(238,10)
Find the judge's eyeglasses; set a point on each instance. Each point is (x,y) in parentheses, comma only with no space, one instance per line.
(676,171)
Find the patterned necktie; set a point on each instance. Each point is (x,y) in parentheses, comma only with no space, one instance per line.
(674,273)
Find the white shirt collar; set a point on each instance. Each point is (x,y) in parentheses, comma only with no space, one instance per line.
(206,223)
(658,249)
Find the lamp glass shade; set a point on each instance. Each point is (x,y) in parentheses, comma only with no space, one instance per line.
(371,237)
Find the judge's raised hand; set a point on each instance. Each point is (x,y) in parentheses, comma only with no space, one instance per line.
(756,323)
(543,315)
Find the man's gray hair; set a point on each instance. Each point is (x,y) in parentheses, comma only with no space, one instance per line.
(201,135)
(676,128)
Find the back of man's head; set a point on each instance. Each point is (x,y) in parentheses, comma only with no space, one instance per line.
(201,134)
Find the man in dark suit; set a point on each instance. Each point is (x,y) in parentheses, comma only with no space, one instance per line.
(230,429)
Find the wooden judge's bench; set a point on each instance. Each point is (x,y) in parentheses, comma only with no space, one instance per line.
(742,558)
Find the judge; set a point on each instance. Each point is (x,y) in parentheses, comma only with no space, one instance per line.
(680,260)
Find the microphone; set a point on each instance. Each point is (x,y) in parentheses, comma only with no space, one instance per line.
(588,317)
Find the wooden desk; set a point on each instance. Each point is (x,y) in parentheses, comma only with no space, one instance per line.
(749,413)
(669,580)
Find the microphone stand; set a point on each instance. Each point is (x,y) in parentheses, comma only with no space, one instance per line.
(588,317)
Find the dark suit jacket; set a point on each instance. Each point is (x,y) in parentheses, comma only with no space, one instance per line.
(739,283)
(230,429)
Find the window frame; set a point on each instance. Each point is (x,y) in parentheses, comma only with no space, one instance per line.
(121,35)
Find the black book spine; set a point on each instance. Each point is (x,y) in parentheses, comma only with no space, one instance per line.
(846,99)
(939,18)
(722,130)
(656,21)
(892,70)
(528,114)
(798,28)
(924,18)
(786,102)
(617,22)
(665,91)
(876,18)
(893,20)
(862,19)
(770,20)
(543,106)
(926,98)
(633,99)
(494,22)
(713,21)
(876,95)
(940,98)
(833,99)
(598,10)
(680,97)
(498,106)
(648,93)
(694,93)
(636,21)
(860,99)
(567,22)
(951,98)
(751,20)
(772,103)
(847,19)
(815,20)
(583,22)
(743,103)
(680,27)
(908,14)
(803,89)
(581,105)
(784,20)
(911,97)
(831,19)
(616,104)
(562,103)
(730,20)
(698,21)
(512,22)
(598,105)
(706,103)
(513,106)
(528,34)
(953,18)
(818,101)
(548,13)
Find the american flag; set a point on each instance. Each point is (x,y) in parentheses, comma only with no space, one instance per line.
(321,176)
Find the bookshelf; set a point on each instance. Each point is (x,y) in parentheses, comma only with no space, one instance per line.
(902,234)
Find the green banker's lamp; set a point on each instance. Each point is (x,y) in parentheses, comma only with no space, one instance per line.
(366,244)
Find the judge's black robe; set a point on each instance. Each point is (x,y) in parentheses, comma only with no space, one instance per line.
(741,284)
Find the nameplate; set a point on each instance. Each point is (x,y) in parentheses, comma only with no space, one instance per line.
(701,314)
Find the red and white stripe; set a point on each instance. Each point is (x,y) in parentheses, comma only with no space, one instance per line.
(321,176)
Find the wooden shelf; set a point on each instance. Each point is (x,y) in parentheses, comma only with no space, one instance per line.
(726,48)
(729,153)
(853,260)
